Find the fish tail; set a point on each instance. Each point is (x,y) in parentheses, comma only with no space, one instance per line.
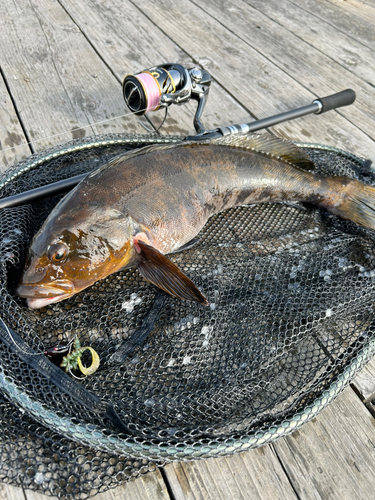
(355,201)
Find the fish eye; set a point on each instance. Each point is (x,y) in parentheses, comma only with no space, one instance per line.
(57,252)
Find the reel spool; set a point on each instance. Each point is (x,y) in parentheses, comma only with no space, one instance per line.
(167,84)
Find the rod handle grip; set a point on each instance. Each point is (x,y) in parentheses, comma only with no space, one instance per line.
(343,98)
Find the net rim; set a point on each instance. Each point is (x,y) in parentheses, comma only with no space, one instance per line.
(164,451)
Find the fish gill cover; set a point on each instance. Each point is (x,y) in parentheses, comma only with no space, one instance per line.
(289,322)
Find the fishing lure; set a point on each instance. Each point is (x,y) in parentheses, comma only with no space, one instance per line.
(59,350)
(72,353)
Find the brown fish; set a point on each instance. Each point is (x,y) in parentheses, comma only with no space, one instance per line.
(148,203)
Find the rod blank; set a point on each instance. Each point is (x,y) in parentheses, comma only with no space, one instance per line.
(320,105)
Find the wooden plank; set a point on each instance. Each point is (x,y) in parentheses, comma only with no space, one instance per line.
(131,47)
(35,82)
(317,32)
(337,17)
(8,492)
(332,456)
(362,4)
(252,78)
(57,80)
(12,138)
(364,382)
(12,149)
(301,61)
(362,10)
(148,487)
(256,474)
(235,475)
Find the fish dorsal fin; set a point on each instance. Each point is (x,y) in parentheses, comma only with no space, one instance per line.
(133,154)
(266,144)
(269,145)
(142,151)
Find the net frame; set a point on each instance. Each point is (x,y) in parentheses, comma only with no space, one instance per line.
(151,450)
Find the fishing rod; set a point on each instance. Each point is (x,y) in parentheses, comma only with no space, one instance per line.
(167,84)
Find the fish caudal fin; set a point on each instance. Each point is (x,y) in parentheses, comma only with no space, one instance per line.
(163,273)
(357,205)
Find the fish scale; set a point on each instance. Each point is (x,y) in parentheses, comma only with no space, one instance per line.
(148,203)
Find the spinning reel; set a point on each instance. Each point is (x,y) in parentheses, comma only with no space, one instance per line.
(166,84)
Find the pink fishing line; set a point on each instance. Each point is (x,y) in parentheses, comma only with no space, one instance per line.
(152,90)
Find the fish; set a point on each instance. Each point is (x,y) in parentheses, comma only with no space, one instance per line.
(151,202)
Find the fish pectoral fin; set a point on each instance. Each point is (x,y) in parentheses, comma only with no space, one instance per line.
(159,270)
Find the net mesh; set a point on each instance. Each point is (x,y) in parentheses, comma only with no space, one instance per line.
(289,322)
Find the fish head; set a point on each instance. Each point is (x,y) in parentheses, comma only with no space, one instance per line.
(65,258)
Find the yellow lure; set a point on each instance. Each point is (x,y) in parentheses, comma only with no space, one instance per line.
(89,370)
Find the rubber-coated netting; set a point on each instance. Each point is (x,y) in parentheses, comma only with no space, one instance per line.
(289,322)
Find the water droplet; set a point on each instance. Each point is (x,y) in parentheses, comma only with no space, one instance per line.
(39,478)
(149,403)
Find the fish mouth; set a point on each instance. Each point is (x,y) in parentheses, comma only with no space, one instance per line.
(41,295)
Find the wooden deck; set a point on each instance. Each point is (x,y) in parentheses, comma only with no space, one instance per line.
(62,64)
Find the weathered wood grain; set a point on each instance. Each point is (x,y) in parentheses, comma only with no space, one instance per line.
(364,382)
(13,145)
(252,78)
(332,456)
(341,20)
(364,5)
(256,474)
(8,492)
(330,41)
(129,47)
(58,81)
(13,148)
(301,61)
(362,10)
(64,62)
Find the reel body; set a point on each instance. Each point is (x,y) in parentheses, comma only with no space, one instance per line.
(167,84)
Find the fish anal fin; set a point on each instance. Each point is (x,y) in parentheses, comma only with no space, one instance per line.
(159,270)
(269,145)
